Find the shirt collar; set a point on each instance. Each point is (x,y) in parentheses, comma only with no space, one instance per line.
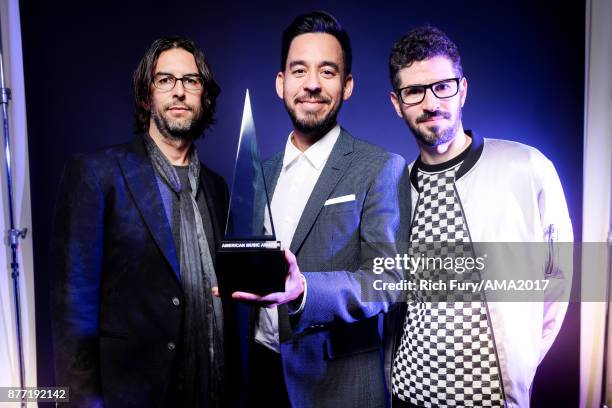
(316,154)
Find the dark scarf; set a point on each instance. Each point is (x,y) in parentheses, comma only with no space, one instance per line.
(203,320)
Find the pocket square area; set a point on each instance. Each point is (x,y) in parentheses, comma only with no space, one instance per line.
(342,199)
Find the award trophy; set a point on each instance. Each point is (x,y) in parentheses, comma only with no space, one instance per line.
(249,259)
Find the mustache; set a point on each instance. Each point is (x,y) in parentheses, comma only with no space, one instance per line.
(313,98)
(177,105)
(428,115)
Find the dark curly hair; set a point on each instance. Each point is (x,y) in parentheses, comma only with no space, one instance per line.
(143,77)
(419,44)
(317,22)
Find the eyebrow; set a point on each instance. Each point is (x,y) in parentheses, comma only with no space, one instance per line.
(322,64)
(330,64)
(168,73)
(431,83)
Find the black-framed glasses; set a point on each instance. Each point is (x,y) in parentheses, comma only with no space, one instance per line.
(166,82)
(415,94)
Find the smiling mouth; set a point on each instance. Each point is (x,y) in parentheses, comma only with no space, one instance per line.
(312,106)
(313,101)
(312,98)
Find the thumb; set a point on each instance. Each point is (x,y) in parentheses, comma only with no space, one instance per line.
(289,257)
(292,265)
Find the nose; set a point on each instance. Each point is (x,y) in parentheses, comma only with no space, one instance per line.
(312,83)
(179,89)
(431,102)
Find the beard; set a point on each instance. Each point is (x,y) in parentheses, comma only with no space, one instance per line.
(435,135)
(310,124)
(179,129)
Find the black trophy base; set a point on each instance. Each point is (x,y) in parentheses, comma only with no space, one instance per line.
(251,266)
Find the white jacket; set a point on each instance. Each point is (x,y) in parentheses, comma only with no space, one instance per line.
(511,193)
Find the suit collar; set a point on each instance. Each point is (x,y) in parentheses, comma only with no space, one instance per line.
(337,163)
(140,177)
(317,154)
(209,189)
(272,168)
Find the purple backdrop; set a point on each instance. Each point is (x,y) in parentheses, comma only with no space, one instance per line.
(524,63)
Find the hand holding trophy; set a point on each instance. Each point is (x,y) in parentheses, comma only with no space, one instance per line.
(250,260)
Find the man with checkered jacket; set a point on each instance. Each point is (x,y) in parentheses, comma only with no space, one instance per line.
(468,190)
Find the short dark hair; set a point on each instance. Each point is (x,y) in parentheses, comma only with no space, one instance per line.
(143,78)
(317,22)
(419,44)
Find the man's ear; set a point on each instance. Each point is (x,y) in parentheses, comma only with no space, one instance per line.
(463,86)
(396,103)
(347,91)
(280,84)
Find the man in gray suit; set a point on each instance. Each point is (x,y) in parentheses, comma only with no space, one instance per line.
(317,344)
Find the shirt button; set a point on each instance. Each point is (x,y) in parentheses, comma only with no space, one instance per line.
(171,346)
(176,301)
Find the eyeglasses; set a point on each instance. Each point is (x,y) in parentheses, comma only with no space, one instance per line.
(415,94)
(166,82)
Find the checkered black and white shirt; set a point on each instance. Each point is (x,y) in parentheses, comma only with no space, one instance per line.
(446,357)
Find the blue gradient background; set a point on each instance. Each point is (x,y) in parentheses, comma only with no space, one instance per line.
(524,62)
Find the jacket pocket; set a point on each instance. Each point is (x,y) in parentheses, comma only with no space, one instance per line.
(347,206)
(350,339)
(552,254)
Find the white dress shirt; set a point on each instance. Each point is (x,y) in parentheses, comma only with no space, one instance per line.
(297,179)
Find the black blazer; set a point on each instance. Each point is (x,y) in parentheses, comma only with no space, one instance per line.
(117,299)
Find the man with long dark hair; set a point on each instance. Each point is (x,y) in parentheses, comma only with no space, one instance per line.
(135,233)
(317,343)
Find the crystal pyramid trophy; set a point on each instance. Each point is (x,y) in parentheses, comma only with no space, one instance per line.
(249,259)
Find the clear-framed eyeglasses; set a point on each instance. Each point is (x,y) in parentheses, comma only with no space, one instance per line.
(415,94)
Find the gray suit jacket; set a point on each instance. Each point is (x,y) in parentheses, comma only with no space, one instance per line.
(331,351)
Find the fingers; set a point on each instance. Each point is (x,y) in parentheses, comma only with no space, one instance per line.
(290,257)
(250,297)
(274,298)
(270,300)
(254,299)
(215,291)
(292,266)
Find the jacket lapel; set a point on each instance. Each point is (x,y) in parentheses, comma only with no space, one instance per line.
(271,170)
(140,177)
(337,163)
(216,198)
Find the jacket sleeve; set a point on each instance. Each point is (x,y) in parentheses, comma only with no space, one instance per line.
(76,261)
(557,234)
(348,296)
